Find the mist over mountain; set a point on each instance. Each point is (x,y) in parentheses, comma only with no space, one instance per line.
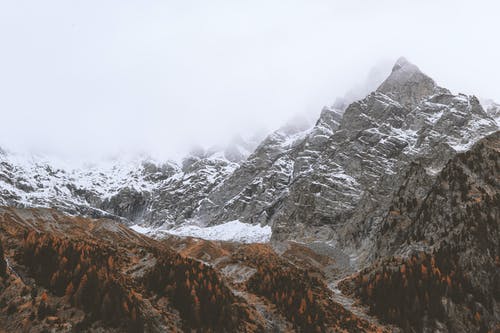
(304,229)
(249,167)
(161,78)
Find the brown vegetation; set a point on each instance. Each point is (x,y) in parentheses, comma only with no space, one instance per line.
(404,292)
(83,271)
(198,293)
(300,296)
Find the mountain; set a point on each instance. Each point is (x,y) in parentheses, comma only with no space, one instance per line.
(251,192)
(137,190)
(64,274)
(335,181)
(366,158)
(331,182)
(91,190)
(383,216)
(438,251)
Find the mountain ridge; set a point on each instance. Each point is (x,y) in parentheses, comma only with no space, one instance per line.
(383,216)
(408,117)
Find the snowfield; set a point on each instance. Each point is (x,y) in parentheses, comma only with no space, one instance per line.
(233,231)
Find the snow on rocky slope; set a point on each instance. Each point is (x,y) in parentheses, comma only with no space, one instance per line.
(138,190)
(335,181)
(34,181)
(408,119)
(332,181)
(264,177)
(235,231)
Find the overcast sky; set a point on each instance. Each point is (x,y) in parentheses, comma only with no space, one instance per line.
(85,78)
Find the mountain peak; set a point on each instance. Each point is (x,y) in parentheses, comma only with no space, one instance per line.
(401,62)
(407,84)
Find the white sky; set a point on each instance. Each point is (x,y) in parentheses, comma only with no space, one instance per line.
(85,78)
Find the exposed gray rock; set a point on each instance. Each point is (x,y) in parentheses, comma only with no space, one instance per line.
(332,182)
(254,191)
(128,203)
(350,186)
(176,199)
(136,191)
(408,85)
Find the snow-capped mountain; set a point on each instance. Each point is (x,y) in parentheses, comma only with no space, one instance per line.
(33,181)
(335,181)
(140,189)
(331,181)
(264,177)
(390,202)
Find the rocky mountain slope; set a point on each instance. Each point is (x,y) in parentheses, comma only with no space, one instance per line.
(367,157)
(139,190)
(383,216)
(251,192)
(439,250)
(436,268)
(65,274)
(332,181)
(335,181)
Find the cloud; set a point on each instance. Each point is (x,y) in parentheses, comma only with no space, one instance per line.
(101,77)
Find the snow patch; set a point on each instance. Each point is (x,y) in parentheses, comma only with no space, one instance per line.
(142,230)
(233,231)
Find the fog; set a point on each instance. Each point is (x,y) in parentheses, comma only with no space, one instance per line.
(91,78)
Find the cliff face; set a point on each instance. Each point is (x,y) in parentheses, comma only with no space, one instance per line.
(349,187)
(254,191)
(336,181)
